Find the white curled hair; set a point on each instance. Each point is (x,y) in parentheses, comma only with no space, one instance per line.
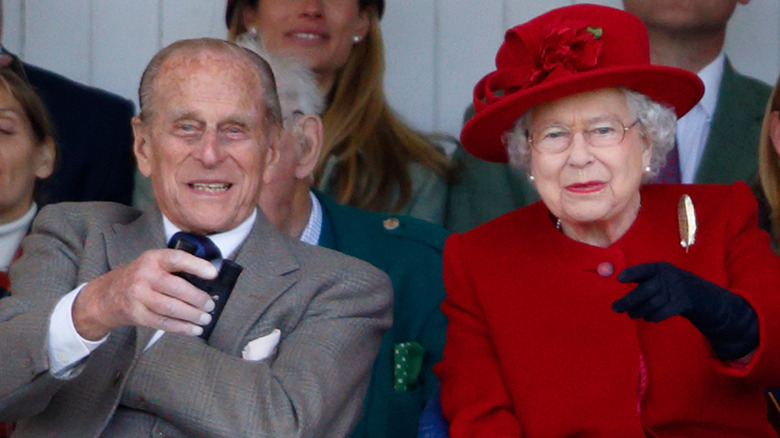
(296,85)
(657,124)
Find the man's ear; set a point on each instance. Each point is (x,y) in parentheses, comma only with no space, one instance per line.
(272,157)
(142,146)
(311,145)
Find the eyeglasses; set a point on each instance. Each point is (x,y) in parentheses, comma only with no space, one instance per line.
(553,139)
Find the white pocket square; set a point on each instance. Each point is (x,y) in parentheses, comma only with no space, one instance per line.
(262,347)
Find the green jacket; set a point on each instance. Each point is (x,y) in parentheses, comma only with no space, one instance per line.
(410,252)
(731,153)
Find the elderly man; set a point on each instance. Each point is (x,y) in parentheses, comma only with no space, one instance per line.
(718,139)
(100,336)
(409,250)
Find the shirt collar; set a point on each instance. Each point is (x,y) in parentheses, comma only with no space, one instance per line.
(311,234)
(711,75)
(227,241)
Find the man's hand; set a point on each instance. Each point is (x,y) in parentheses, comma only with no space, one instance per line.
(146,293)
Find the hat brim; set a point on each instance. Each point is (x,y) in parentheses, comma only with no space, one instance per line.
(482,134)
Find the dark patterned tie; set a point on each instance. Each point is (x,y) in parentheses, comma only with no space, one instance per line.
(670,172)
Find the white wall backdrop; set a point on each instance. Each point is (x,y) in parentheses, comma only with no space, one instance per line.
(436,50)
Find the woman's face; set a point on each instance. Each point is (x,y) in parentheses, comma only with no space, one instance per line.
(584,184)
(22,160)
(318,33)
(774,130)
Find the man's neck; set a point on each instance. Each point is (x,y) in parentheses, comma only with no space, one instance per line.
(291,217)
(689,51)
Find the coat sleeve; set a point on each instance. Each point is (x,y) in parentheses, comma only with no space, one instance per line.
(473,396)
(46,271)
(753,272)
(313,387)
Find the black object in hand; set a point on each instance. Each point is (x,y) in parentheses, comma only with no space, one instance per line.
(664,290)
(219,288)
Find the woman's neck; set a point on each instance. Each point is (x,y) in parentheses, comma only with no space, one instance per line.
(602,233)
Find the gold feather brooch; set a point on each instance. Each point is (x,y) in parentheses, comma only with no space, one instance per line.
(686,219)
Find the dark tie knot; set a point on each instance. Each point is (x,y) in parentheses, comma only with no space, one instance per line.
(196,244)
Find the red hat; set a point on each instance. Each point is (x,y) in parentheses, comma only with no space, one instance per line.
(567,51)
(378,4)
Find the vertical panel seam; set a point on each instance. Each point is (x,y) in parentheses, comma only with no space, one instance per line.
(437,79)
(160,24)
(91,45)
(23,36)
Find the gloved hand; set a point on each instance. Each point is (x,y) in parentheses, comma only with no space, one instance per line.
(664,290)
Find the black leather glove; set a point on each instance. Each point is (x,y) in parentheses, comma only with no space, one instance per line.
(664,290)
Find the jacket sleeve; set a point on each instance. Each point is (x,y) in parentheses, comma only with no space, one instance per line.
(753,272)
(473,396)
(26,386)
(313,387)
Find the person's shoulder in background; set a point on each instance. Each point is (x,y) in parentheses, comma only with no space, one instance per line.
(94,137)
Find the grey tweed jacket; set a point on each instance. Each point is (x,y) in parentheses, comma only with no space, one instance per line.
(331,310)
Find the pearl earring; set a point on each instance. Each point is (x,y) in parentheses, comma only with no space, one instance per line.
(252,31)
(531,178)
(647,169)
(356,39)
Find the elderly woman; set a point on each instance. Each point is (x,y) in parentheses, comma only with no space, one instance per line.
(27,156)
(371,159)
(609,308)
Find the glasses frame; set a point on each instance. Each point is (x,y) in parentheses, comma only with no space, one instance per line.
(530,139)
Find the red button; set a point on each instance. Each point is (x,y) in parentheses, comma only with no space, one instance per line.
(605,269)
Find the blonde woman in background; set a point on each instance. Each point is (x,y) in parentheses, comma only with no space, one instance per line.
(371,159)
(769,168)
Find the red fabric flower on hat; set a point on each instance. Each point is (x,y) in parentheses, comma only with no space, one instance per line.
(566,51)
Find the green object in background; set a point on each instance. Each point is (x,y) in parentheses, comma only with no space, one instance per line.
(408,359)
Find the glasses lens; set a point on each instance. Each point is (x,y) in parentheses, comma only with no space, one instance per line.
(605,133)
(553,138)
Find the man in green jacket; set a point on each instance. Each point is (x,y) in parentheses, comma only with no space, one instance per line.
(407,249)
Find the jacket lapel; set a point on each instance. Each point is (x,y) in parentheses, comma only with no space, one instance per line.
(267,264)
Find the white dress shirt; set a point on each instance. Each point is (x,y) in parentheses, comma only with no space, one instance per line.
(693,128)
(11,235)
(311,234)
(67,348)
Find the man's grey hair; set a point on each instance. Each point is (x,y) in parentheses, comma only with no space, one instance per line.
(657,124)
(297,85)
(273,114)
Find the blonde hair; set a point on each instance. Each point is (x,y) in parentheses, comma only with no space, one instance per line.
(366,143)
(769,163)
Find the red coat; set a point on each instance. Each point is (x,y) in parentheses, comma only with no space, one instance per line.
(533,348)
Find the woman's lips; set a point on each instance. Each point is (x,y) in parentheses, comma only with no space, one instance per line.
(586,187)
(307,37)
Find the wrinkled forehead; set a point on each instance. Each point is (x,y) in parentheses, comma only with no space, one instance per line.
(236,74)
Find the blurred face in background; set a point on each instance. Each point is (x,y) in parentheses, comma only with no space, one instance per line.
(320,34)
(684,15)
(23,159)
